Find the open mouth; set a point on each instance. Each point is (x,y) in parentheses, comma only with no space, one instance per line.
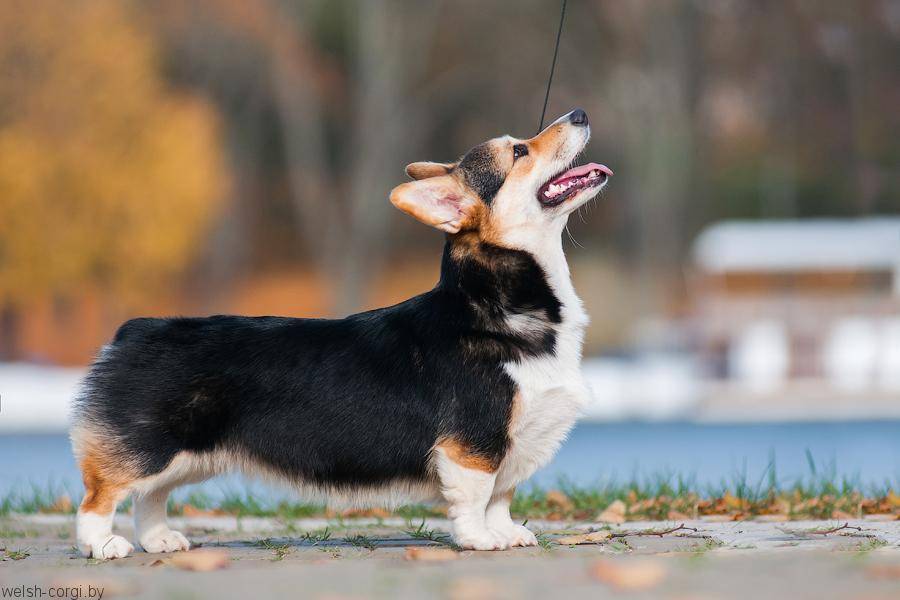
(568,183)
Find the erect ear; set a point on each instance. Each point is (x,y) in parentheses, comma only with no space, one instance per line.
(424,170)
(437,201)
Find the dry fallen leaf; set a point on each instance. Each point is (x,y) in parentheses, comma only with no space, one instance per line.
(732,502)
(200,560)
(884,571)
(629,574)
(779,506)
(614,513)
(675,515)
(594,537)
(558,499)
(474,588)
(643,505)
(189,510)
(893,499)
(62,504)
(842,515)
(430,554)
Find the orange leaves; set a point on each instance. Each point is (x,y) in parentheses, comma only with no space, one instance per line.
(594,537)
(62,504)
(107,177)
(190,511)
(199,560)
(559,504)
(359,513)
(426,554)
(632,575)
(614,513)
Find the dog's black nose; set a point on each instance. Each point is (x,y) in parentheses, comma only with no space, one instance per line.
(578,117)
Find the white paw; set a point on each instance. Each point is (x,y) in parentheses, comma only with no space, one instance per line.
(113,546)
(518,535)
(164,541)
(483,539)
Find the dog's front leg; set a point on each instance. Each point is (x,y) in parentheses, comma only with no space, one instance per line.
(498,519)
(468,491)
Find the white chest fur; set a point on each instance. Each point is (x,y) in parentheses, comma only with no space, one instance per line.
(551,390)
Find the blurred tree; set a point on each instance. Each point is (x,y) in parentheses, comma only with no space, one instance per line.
(337,81)
(107,177)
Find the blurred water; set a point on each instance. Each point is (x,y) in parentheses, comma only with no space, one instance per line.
(711,454)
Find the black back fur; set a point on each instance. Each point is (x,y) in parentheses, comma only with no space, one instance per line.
(354,401)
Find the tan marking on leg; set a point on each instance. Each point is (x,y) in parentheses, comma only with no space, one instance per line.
(462,455)
(102,486)
(106,479)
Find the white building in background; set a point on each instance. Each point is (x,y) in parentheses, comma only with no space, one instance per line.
(808,300)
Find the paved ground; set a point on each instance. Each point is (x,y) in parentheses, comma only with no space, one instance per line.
(262,558)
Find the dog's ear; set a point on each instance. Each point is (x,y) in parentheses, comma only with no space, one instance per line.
(437,201)
(425,169)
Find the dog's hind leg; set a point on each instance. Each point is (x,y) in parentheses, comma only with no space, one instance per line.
(151,529)
(103,493)
(151,494)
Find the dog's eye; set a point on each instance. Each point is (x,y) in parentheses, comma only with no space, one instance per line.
(520,150)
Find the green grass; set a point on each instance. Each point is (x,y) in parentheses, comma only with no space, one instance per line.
(361,541)
(821,493)
(418,511)
(15,554)
(544,542)
(871,544)
(9,534)
(279,551)
(420,532)
(317,536)
(37,498)
(245,504)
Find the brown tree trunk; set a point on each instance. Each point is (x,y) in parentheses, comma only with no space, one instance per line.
(10,323)
(393,43)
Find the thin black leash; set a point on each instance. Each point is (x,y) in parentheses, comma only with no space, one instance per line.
(562,17)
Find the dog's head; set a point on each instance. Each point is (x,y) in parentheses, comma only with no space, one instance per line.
(507,190)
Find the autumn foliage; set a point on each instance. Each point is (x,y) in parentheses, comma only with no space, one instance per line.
(108,176)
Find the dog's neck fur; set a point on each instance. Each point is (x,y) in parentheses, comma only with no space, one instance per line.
(524,299)
(498,281)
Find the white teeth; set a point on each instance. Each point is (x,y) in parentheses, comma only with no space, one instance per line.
(555,189)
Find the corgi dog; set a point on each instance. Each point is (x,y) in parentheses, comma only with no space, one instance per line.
(458,394)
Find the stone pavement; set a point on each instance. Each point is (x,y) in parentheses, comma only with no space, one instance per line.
(365,558)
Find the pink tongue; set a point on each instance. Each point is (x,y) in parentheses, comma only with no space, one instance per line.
(583,170)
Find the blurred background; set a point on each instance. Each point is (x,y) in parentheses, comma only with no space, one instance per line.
(742,270)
